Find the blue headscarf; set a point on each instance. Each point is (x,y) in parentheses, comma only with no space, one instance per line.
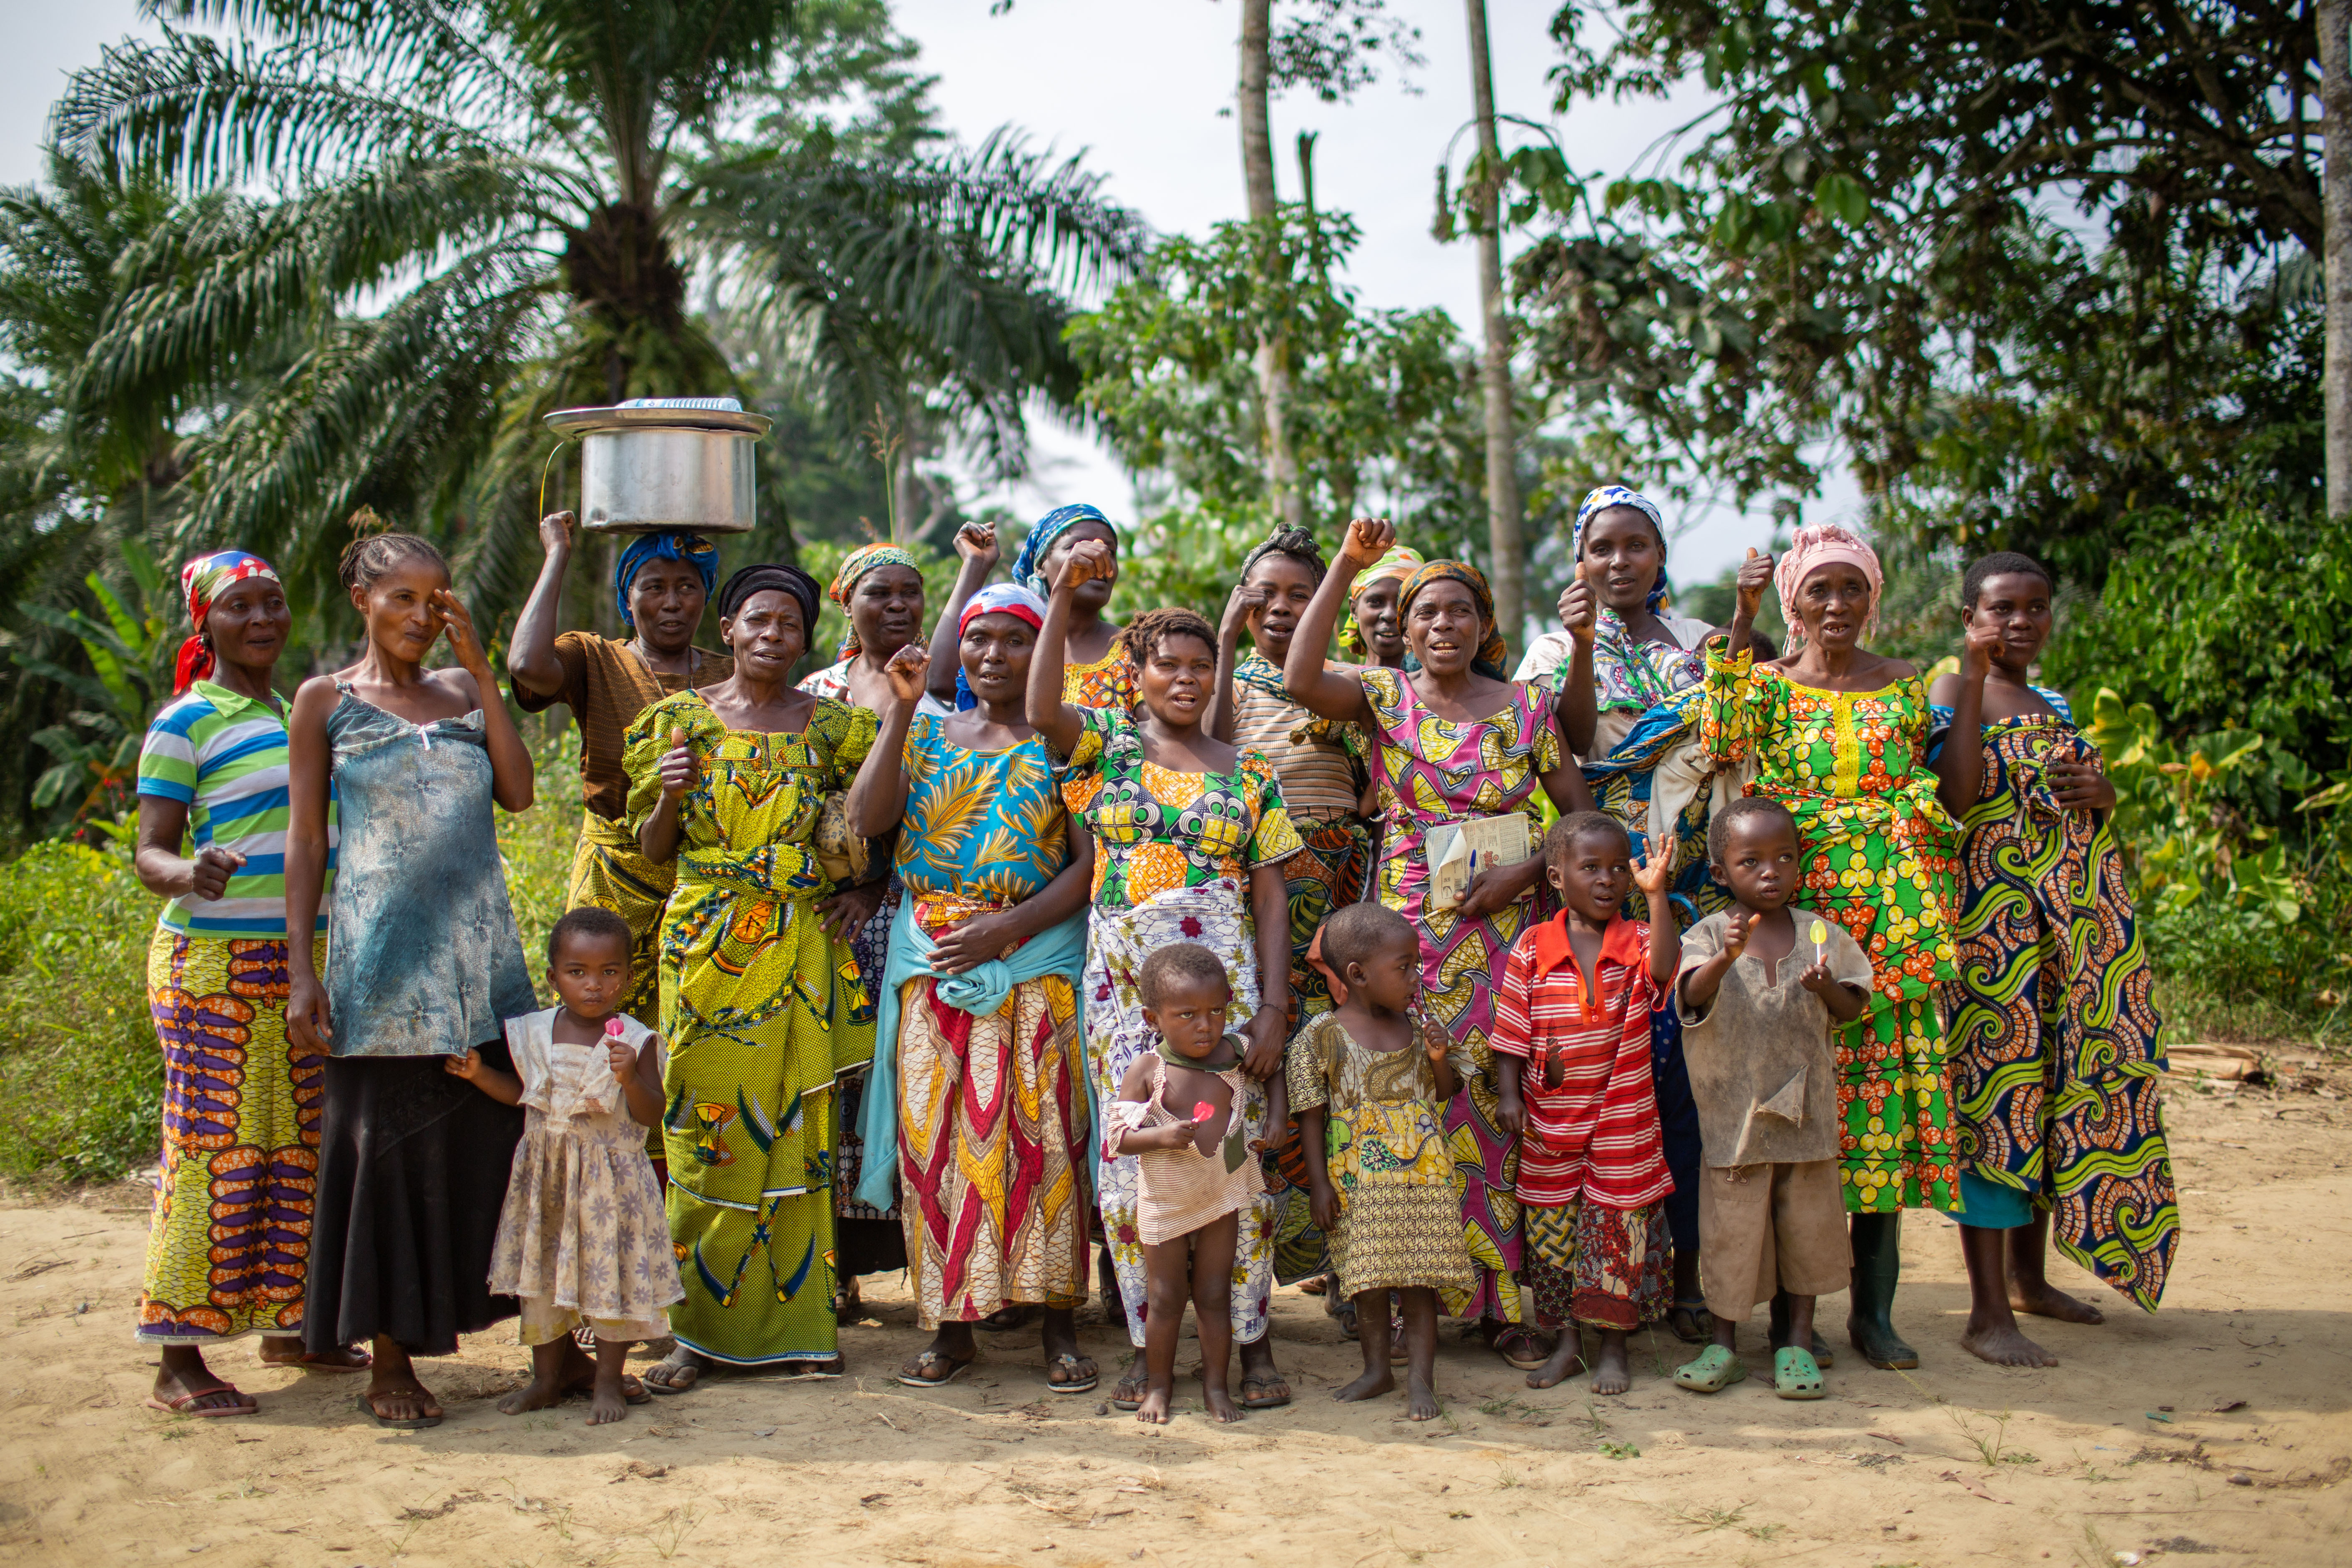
(670,544)
(1600,500)
(1028,567)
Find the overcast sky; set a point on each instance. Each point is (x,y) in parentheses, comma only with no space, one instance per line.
(1142,86)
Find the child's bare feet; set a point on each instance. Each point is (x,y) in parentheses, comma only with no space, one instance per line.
(1376,1381)
(607,1405)
(1153,1411)
(1420,1398)
(1612,1370)
(537,1394)
(1220,1401)
(2044,1300)
(2004,1345)
(1565,1360)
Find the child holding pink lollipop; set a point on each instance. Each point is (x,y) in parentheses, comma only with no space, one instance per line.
(583,1238)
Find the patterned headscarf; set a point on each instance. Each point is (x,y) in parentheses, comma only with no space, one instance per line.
(996,599)
(1821,544)
(1600,500)
(669,544)
(1400,561)
(200,581)
(1492,658)
(854,565)
(1029,566)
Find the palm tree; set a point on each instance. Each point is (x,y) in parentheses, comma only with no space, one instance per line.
(490,209)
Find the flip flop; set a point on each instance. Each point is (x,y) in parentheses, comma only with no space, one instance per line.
(1262,1381)
(1795,1373)
(955,1370)
(420,1423)
(1071,1363)
(1520,1334)
(667,1391)
(1004,1319)
(1134,1378)
(180,1407)
(1690,1322)
(1715,1370)
(316,1361)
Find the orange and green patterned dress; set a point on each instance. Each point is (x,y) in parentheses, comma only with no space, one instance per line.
(1880,859)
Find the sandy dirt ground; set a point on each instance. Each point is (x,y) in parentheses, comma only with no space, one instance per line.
(2215,1431)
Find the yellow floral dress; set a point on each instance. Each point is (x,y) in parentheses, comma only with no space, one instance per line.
(760,1010)
(1879,848)
(1172,861)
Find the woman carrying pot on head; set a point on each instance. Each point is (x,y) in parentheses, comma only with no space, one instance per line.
(978,1075)
(423,966)
(228,1248)
(662,582)
(1453,742)
(1839,735)
(762,1011)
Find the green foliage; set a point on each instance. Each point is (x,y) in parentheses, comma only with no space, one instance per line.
(81,1078)
(489,211)
(1861,250)
(538,845)
(94,770)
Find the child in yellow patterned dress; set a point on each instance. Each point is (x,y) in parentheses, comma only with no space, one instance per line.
(583,1238)
(1372,1108)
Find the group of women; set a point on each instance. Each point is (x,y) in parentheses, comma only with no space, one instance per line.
(889,919)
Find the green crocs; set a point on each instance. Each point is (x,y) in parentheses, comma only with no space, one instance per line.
(1715,1370)
(1795,1373)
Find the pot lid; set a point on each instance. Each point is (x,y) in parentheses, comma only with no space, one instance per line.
(662,414)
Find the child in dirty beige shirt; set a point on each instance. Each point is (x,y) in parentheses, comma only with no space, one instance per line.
(1759,987)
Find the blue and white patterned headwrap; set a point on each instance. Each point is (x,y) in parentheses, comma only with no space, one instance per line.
(669,544)
(1600,500)
(1028,567)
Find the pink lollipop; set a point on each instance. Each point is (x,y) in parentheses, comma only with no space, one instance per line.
(1203,1111)
(613,1026)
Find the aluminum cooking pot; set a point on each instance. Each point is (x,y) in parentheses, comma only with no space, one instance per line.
(685,463)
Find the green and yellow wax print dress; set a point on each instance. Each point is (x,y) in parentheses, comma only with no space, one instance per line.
(2056,1045)
(760,1010)
(1878,846)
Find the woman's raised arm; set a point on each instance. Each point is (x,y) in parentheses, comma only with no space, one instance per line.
(1323,691)
(1054,719)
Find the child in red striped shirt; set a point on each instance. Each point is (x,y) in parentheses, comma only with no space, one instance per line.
(1571,1046)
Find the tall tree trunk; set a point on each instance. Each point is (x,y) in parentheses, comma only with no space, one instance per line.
(1503,539)
(2335,180)
(1272,362)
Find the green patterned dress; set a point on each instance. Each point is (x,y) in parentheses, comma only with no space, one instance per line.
(1851,766)
(2057,1066)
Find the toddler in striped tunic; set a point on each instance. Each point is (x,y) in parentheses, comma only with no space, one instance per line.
(1571,1046)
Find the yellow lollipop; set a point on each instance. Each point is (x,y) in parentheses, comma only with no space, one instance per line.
(1817,933)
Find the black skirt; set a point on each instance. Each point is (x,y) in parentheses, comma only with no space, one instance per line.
(413,1168)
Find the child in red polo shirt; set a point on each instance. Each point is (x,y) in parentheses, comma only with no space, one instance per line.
(1571,1046)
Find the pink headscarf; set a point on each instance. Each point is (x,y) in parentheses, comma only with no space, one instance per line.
(1822,544)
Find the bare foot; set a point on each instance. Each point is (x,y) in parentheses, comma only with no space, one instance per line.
(1220,1402)
(1153,1411)
(2003,1346)
(405,1399)
(1419,1399)
(2046,1300)
(607,1405)
(1565,1362)
(1612,1370)
(1370,1385)
(537,1394)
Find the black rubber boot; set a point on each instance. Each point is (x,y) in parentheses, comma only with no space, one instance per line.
(1822,1354)
(1877,1267)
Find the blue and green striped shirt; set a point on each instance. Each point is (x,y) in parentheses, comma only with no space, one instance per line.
(223,756)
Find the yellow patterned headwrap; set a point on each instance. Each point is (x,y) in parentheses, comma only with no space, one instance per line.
(854,565)
(1492,658)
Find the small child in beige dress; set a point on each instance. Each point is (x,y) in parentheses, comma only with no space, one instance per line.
(582,1238)
(1179,1108)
